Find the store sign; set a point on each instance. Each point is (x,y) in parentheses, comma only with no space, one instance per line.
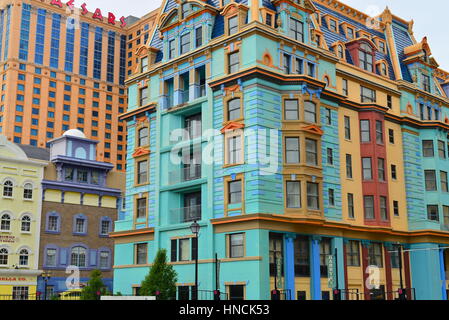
(331,272)
(7,239)
(13,279)
(98,15)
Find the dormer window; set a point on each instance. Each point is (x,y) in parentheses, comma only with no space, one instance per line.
(366,57)
(233,25)
(350,33)
(426,83)
(296,30)
(333,25)
(185,43)
(340,52)
(144,64)
(269,19)
(382,47)
(383,69)
(186,8)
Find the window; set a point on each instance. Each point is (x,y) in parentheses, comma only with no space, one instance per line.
(199,37)
(379,132)
(394,174)
(144,64)
(375,255)
(310,112)
(80,225)
(351,206)
(444,183)
(141,250)
(233,25)
(142,173)
(234,154)
(291,110)
(383,208)
(3,257)
(78,257)
(287,63)
(276,254)
(389,102)
(441,149)
(50,258)
(428,149)
(53,223)
(345,87)
(23,258)
(82,175)
(236,292)
(299,66)
(347,128)
(171,49)
(293,194)
(143,137)
(8,189)
(25,224)
(426,83)
(433,213)
(185,43)
(365,57)
(234,109)
(235,192)
(381,169)
(311,152)
(236,245)
(330,156)
(302,257)
(369,207)
(233,62)
(349,166)
(292,150)
(367,169)
(104,259)
(143,94)
(5,222)
(141,208)
(431,180)
(367,95)
(296,30)
(350,33)
(446,216)
(396,208)
(20,293)
(353,253)
(365,134)
(331,194)
(333,25)
(328,117)
(28,191)
(105,227)
(313,201)
(391,136)
(325,251)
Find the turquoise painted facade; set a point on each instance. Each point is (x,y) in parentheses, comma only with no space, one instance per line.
(259,237)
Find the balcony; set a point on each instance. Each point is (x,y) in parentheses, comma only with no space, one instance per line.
(184,215)
(186,174)
(185,96)
(201,91)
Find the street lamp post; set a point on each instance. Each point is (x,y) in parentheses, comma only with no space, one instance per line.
(195,228)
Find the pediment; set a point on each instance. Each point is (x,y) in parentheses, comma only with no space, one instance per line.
(313,129)
(231,126)
(139,152)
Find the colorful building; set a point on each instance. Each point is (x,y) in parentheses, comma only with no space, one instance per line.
(20,207)
(63,67)
(313,142)
(81,199)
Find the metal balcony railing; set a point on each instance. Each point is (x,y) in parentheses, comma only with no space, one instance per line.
(189,173)
(187,214)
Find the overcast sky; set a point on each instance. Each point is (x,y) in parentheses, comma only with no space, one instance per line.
(430,17)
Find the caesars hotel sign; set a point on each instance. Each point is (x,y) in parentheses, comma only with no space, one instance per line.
(111,19)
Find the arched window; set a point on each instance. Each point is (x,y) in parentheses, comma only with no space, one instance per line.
(8,188)
(340,52)
(28,191)
(5,222)
(23,257)
(26,224)
(78,257)
(143,137)
(310,112)
(234,109)
(3,257)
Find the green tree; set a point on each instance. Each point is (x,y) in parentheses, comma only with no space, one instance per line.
(161,279)
(94,286)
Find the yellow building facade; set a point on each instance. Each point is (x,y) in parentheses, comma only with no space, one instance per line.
(20,208)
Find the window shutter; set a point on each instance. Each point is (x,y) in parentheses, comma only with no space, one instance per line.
(174,250)
(93,257)
(63,256)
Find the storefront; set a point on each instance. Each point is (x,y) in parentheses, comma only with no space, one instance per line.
(18,284)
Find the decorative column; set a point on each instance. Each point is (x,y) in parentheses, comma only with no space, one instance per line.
(365,264)
(315,282)
(388,273)
(443,275)
(289,245)
(338,244)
